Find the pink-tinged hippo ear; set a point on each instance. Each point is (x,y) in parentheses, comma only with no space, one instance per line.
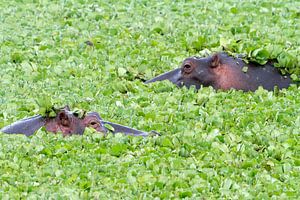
(215,60)
(63,118)
(64,123)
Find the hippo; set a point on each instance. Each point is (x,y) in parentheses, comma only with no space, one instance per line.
(69,123)
(225,72)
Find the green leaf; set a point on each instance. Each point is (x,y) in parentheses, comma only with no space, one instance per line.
(245,69)
(118,149)
(213,144)
(121,71)
(109,127)
(234,10)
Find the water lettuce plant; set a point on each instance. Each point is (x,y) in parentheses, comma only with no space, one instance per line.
(95,55)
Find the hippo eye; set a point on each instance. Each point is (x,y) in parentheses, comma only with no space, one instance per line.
(187,68)
(93,123)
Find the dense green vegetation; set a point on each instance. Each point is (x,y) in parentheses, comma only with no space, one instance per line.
(214,144)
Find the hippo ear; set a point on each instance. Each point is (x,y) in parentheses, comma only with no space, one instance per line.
(215,60)
(63,119)
(65,124)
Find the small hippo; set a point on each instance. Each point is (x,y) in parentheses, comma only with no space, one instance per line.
(68,123)
(222,71)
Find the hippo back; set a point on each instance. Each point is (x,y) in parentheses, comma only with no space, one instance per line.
(268,76)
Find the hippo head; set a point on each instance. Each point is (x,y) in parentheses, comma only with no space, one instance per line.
(66,122)
(93,120)
(69,122)
(193,71)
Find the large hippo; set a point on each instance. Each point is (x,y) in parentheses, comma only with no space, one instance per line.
(68,123)
(222,71)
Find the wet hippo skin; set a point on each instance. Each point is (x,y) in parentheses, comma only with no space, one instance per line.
(68,123)
(225,72)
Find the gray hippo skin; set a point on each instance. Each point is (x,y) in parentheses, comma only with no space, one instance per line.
(225,72)
(69,123)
